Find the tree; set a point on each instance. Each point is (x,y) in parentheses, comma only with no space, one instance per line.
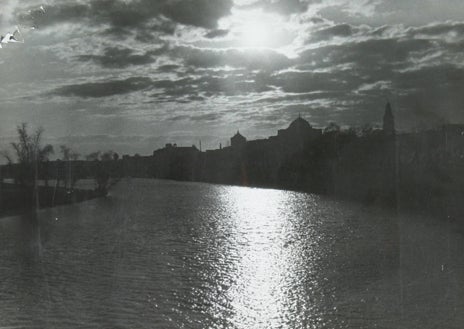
(101,170)
(107,156)
(94,156)
(43,161)
(9,160)
(7,156)
(30,153)
(75,155)
(66,152)
(332,127)
(69,155)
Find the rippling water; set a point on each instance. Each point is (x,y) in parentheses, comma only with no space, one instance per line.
(158,254)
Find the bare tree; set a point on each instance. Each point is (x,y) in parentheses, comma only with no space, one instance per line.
(75,155)
(66,152)
(107,156)
(9,160)
(30,152)
(69,156)
(93,156)
(7,156)
(332,127)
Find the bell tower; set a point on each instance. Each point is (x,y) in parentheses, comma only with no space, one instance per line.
(388,121)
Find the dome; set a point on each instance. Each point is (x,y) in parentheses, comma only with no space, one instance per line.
(299,124)
(237,140)
(238,136)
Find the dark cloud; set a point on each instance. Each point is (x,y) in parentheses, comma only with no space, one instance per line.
(217,33)
(196,98)
(419,12)
(169,68)
(231,85)
(349,80)
(447,34)
(264,59)
(285,7)
(303,82)
(203,13)
(205,117)
(316,20)
(198,89)
(299,97)
(372,55)
(338,70)
(383,51)
(179,87)
(115,57)
(196,117)
(341,30)
(104,89)
(137,14)
(55,14)
(179,118)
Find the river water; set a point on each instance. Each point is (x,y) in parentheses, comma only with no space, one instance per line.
(161,254)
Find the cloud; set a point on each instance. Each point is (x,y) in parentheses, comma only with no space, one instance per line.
(176,62)
(207,58)
(55,14)
(285,7)
(115,57)
(303,82)
(121,15)
(371,54)
(205,117)
(202,13)
(341,30)
(200,88)
(349,77)
(217,33)
(104,89)
(169,67)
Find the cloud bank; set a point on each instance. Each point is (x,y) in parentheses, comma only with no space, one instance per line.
(155,68)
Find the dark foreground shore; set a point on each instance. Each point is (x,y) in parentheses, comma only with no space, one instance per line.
(16,199)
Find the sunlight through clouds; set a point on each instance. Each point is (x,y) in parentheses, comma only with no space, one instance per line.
(263,58)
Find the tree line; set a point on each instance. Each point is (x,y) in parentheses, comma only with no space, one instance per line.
(30,156)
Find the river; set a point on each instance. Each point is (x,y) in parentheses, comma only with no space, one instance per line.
(162,254)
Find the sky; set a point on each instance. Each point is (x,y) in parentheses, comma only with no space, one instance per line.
(132,75)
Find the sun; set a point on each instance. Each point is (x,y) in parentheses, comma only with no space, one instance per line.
(256,34)
(256,29)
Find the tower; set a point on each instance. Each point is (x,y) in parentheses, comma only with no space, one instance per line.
(390,180)
(388,121)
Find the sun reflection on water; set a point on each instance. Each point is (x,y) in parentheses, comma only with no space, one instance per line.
(211,256)
(267,272)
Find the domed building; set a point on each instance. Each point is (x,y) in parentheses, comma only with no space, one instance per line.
(298,133)
(299,124)
(237,141)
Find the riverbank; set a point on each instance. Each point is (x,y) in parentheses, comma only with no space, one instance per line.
(16,199)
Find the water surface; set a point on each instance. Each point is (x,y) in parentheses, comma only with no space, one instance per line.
(160,254)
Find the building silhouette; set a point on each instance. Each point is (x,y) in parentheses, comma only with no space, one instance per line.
(388,121)
(371,165)
(237,141)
